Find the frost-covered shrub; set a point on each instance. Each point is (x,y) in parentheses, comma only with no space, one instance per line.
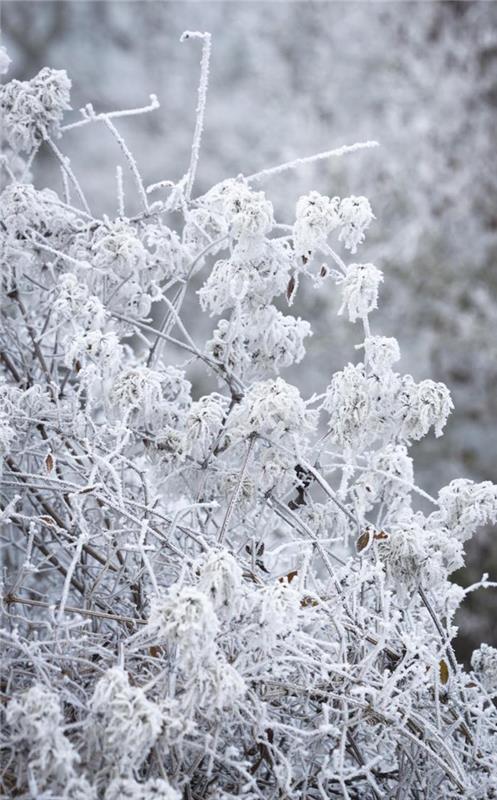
(239,593)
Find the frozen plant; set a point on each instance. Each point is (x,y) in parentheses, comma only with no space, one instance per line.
(229,592)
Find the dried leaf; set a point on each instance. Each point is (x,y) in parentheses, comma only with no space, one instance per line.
(444,672)
(363,540)
(290,289)
(323,271)
(49,462)
(288,578)
(308,601)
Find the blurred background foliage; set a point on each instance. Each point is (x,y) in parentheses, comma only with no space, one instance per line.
(292,78)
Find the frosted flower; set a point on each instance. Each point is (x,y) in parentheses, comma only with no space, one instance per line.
(388,479)
(124,724)
(415,554)
(248,213)
(272,408)
(465,505)
(34,714)
(381,353)
(185,616)
(218,687)
(203,424)
(73,303)
(316,217)
(276,613)
(360,290)
(33,110)
(35,718)
(484,662)
(355,216)
(265,340)
(256,279)
(168,256)
(129,789)
(116,247)
(95,347)
(140,391)
(348,401)
(220,579)
(24,209)
(426,404)
(171,444)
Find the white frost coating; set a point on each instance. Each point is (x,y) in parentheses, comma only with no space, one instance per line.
(215,586)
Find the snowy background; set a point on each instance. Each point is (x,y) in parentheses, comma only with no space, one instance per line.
(291,79)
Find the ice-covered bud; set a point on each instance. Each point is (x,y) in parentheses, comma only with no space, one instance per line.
(168,256)
(204,423)
(220,578)
(34,714)
(185,616)
(484,663)
(360,290)
(130,789)
(25,210)
(97,347)
(116,247)
(123,725)
(256,279)
(219,686)
(382,352)
(74,304)
(388,479)
(465,505)
(348,402)
(35,719)
(171,444)
(33,110)
(316,217)
(154,397)
(247,214)
(265,341)
(272,408)
(427,404)
(276,612)
(355,216)
(250,213)
(416,554)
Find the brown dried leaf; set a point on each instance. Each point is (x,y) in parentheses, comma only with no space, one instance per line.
(308,601)
(363,540)
(290,289)
(49,462)
(288,578)
(444,672)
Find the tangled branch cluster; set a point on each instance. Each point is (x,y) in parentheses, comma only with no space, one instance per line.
(214,596)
